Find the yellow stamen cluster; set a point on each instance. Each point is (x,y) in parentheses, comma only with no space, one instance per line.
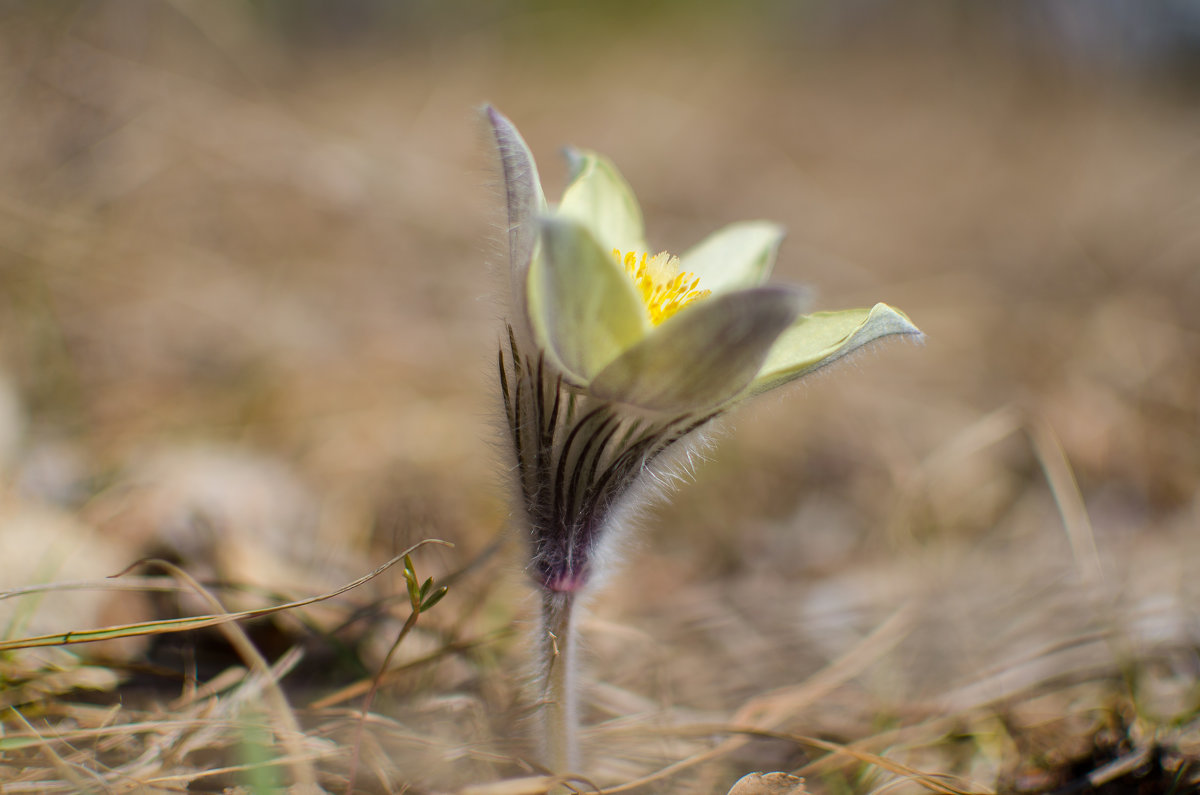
(664,288)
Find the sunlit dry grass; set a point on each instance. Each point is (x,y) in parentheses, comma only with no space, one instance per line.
(247,324)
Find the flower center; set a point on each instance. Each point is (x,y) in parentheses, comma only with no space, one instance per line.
(665,289)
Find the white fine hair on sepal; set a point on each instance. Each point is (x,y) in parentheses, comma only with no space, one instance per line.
(507,302)
(672,469)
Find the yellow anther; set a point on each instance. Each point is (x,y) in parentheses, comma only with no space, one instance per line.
(664,288)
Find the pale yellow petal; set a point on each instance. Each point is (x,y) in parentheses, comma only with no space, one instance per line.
(583,308)
(734,258)
(822,338)
(600,199)
(703,356)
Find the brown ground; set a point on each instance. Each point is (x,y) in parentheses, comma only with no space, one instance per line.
(248,321)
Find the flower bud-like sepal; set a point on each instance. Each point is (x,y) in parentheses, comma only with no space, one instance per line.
(580,459)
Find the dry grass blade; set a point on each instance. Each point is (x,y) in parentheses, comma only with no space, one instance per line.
(1120,767)
(530,785)
(69,772)
(196,622)
(18,740)
(304,775)
(153,584)
(932,782)
(221,682)
(1065,488)
(361,687)
(769,709)
(188,778)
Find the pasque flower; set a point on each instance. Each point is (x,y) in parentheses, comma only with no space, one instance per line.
(616,356)
(616,352)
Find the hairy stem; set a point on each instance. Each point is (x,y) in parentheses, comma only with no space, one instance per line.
(560,698)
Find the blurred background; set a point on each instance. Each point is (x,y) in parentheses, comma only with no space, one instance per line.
(251,294)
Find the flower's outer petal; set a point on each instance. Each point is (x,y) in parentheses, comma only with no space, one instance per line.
(585,311)
(734,258)
(600,199)
(703,356)
(821,338)
(523,193)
